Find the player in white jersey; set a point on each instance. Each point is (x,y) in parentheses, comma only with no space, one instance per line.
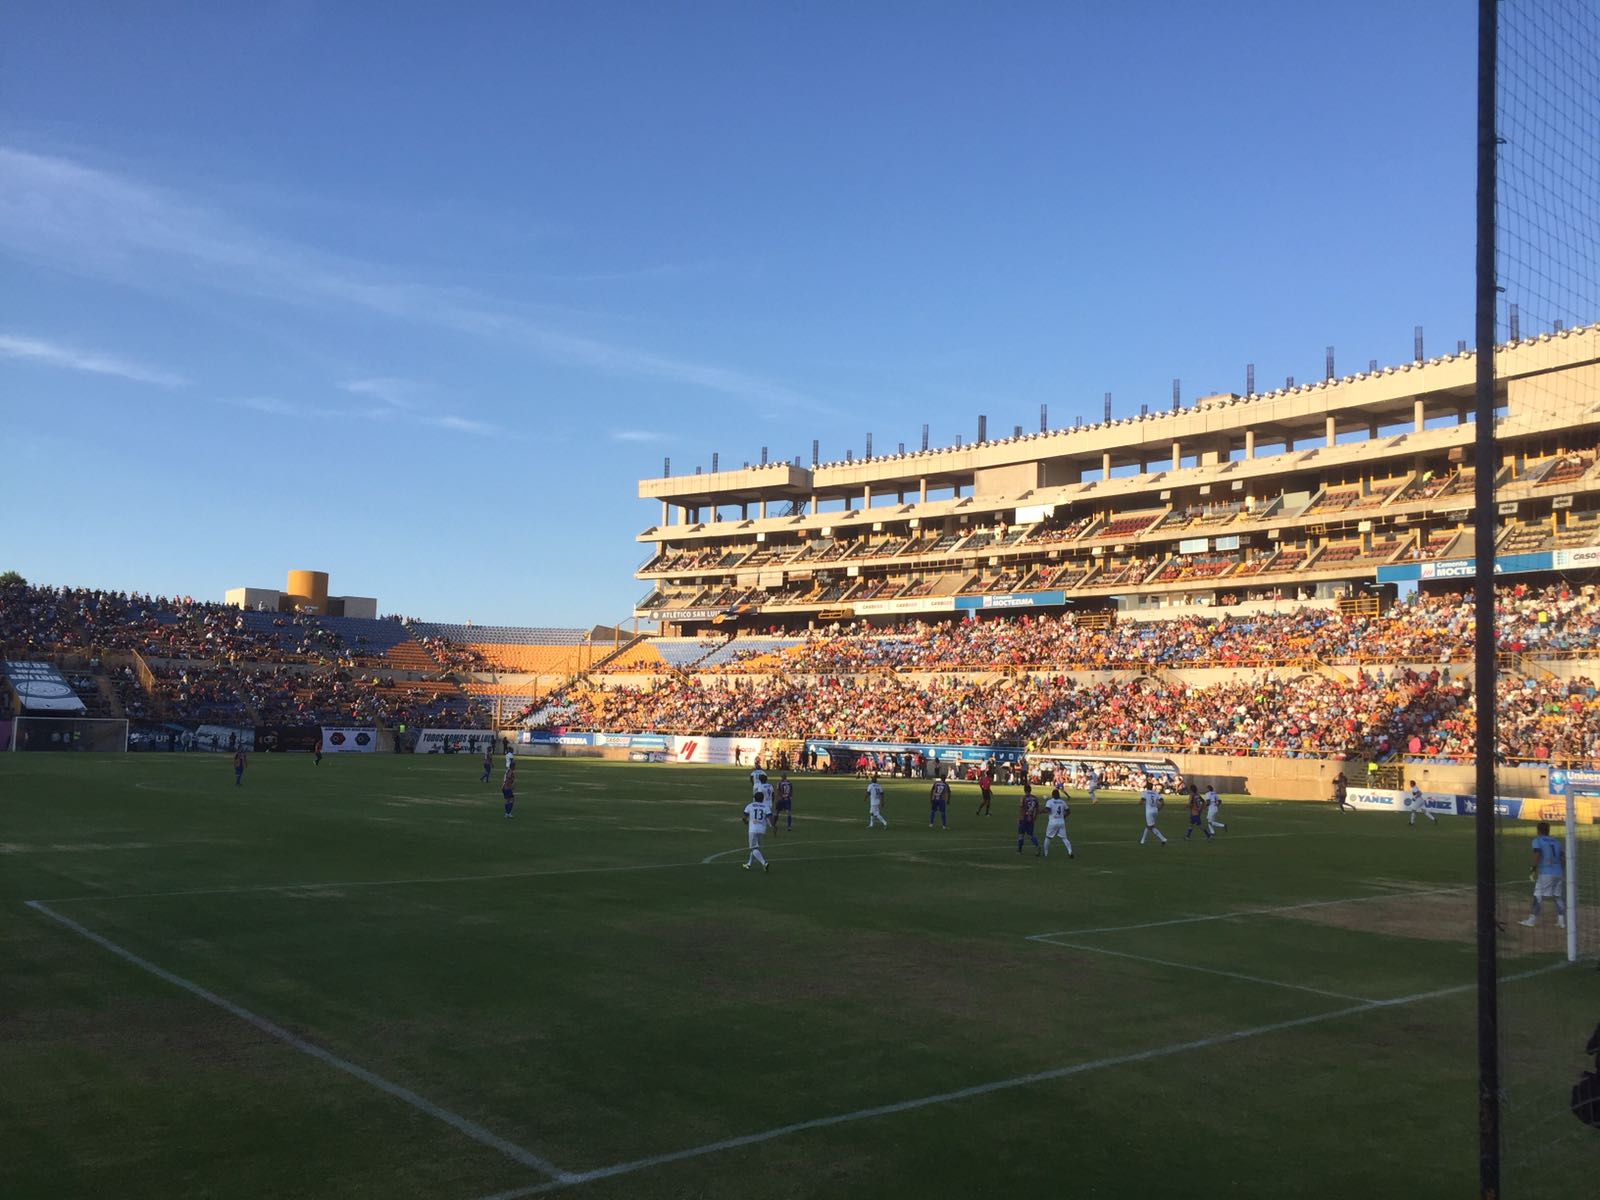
(1417,804)
(1213,807)
(1056,826)
(1152,806)
(1094,786)
(875,804)
(756,815)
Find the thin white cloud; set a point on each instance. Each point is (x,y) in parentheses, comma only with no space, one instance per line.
(637,435)
(64,213)
(397,393)
(269,405)
(273,406)
(70,358)
(461,424)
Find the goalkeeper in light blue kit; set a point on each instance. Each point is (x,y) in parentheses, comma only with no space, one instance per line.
(1549,865)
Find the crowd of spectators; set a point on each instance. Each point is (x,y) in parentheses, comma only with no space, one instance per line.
(996,681)
(1278,715)
(212,664)
(1436,628)
(287,695)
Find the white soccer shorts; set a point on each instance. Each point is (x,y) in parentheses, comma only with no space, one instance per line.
(1548,887)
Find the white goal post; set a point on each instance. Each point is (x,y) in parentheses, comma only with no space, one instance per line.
(105,735)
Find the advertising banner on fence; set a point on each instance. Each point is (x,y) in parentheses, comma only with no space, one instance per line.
(868,608)
(723,750)
(342,740)
(1577,559)
(224,737)
(1580,781)
(283,739)
(455,741)
(1014,600)
(1453,804)
(1462,568)
(1440,804)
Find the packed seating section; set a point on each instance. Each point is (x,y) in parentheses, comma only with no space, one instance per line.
(1311,680)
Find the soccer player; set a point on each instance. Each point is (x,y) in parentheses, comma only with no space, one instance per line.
(488,764)
(508,785)
(1094,786)
(985,783)
(875,803)
(1341,789)
(755,816)
(1213,807)
(1026,812)
(316,752)
(1417,804)
(785,801)
(1152,806)
(511,757)
(1058,810)
(938,802)
(1549,864)
(1196,814)
(238,767)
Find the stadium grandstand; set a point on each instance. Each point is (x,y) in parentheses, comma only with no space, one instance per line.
(1337,490)
(176,661)
(1261,577)
(1266,578)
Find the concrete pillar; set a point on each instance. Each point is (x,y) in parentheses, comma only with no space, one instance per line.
(1332,428)
(1372,430)
(1177,454)
(1249,443)
(1105,465)
(763,508)
(922,491)
(666,513)
(866,497)
(1418,420)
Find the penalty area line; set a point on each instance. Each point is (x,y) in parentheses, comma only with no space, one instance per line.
(1167,962)
(1247,912)
(999,1085)
(457,1122)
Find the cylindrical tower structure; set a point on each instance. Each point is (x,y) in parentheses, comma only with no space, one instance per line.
(307,590)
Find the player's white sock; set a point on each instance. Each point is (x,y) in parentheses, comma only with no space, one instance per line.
(1160,837)
(756,856)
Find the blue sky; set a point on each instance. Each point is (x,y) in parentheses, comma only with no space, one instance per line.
(416,293)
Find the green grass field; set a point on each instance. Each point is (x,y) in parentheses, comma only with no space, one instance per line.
(577,1001)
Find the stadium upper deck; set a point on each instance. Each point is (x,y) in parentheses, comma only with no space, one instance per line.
(1312,490)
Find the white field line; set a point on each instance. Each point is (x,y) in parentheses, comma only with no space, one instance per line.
(934,848)
(459,1123)
(1165,962)
(1249,912)
(982,1089)
(322,885)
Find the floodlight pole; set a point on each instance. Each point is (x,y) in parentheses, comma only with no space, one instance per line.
(1487,460)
